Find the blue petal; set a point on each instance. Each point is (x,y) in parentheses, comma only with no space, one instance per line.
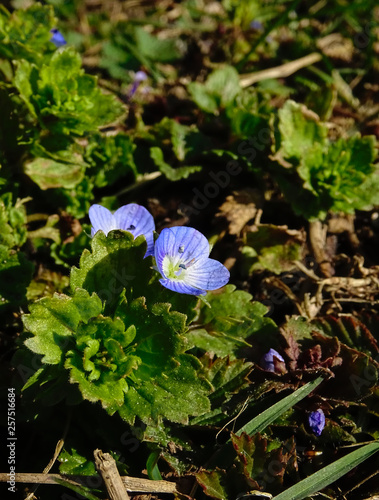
(267,361)
(269,356)
(137,220)
(207,275)
(316,421)
(57,38)
(140,76)
(101,219)
(163,245)
(181,287)
(184,244)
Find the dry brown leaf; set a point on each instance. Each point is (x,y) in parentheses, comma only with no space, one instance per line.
(239,208)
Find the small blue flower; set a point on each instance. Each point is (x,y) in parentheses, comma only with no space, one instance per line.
(181,254)
(133,218)
(316,420)
(267,361)
(57,38)
(139,77)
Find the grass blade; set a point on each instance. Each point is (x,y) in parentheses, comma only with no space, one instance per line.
(328,474)
(261,421)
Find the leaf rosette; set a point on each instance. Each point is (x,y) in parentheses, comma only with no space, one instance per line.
(128,352)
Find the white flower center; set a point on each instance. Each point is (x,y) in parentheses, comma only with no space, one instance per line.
(174,268)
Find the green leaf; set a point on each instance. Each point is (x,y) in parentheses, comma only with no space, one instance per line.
(172,174)
(328,474)
(203,98)
(152,466)
(74,463)
(54,320)
(156,49)
(110,158)
(15,269)
(344,173)
(134,363)
(63,98)
(251,453)
(25,34)
(231,319)
(116,263)
(101,361)
(167,382)
(213,483)
(225,485)
(299,130)
(337,176)
(52,174)
(219,90)
(272,247)
(12,221)
(227,377)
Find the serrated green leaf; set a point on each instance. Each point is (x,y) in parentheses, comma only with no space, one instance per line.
(225,485)
(12,222)
(110,158)
(63,98)
(213,483)
(25,34)
(299,129)
(53,322)
(231,319)
(167,382)
(114,264)
(337,176)
(227,377)
(215,342)
(251,453)
(224,83)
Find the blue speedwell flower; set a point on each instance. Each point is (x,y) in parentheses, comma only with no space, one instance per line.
(316,420)
(181,254)
(139,77)
(57,38)
(133,218)
(267,361)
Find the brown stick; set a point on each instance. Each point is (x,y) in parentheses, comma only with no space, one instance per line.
(317,239)
(281,71)
(107,467)
(131,484)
